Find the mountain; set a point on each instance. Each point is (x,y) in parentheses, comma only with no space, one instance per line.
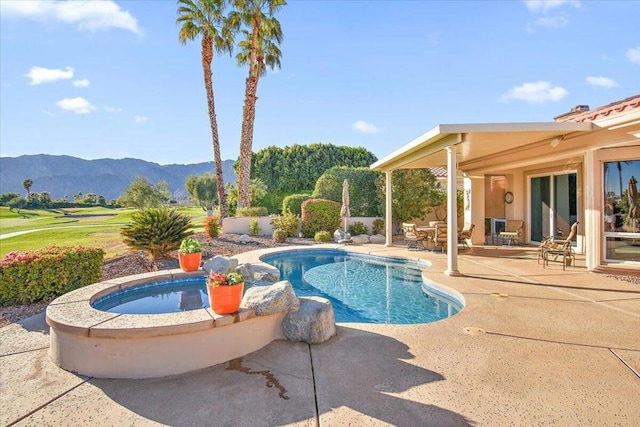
(64,176)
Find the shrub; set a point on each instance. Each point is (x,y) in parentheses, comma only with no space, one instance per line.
(365,194)
(322,236)
(293,203)
(378,226)
(254,228)
(252,211)
(212,226)
(288,222)
(45,274)
(157,231)
(319,215)
(279,235)
(357,228)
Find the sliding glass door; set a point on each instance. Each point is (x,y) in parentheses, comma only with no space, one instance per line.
(553,205)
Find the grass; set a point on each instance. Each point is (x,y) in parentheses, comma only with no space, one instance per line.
(98,227)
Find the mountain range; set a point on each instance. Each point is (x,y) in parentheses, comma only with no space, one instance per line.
(64,176)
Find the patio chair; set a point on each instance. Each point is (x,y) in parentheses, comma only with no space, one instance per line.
(465,234)
(512,231)
(412,238)
(440,237)
(564,250)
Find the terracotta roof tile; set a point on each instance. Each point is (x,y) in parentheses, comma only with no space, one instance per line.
(608,110)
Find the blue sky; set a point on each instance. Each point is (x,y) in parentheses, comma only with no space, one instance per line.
(111,80)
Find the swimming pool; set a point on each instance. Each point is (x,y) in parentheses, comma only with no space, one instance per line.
(365,288)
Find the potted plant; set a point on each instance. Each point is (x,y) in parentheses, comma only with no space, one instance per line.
(225,292)
(190,254)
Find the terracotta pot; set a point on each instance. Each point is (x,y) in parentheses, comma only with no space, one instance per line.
(225,299)
(190,262)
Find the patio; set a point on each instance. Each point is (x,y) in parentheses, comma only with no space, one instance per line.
(532,346)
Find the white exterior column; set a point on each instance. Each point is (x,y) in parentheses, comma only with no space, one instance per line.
(388,217)
(452,215)
(592,221)
(474,207)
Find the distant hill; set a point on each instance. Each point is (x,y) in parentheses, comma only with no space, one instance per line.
(65,175)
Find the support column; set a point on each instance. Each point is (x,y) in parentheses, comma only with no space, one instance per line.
(593,219)
(388,219)
(474,207)
(452,214)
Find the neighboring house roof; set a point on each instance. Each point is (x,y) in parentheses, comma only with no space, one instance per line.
(439,172)
(599,113)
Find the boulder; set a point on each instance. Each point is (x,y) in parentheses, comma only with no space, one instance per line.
(245,238)
(312,323)
(268,300)
(246,271)
(360,239)
(378,239)
(266,276)
(220,264)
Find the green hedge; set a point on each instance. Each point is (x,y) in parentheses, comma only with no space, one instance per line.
(45,274)
(320,215)
(252,211)
(293,203)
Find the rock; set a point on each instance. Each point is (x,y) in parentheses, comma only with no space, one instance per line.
(340,235)
(312,323)
(220,264)
(268,300)
(360,239)
(246,271)
(266,276)
(378,239)
(245,238)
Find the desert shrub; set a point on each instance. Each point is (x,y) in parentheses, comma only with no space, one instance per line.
(254,228)
(279,235)
(157,231)
(357,228)
(252,211)
(322,237)
(378,226)
(319,215)
(288,222)
(293,203)
(212,226)
(45,274)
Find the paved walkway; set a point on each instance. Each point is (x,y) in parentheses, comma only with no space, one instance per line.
(533,346)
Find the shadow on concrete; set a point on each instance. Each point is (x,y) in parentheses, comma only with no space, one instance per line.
(36,323)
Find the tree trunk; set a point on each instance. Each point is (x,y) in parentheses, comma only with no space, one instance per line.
(246,145)
(207,58)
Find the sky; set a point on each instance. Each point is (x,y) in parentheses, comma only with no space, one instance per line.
(107,79)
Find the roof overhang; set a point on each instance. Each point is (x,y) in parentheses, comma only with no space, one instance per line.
(477,142)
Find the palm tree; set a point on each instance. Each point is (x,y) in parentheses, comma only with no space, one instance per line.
(205,18)
(27,184)
(259,50)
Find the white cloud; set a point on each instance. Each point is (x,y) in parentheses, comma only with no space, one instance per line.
(77,105)
(364,127)
(81,83)
(546,5)
(39,75)
(602,81)
(535,93)
(140,119)
(112,109)
(558,21)
(633,54)
(86,15)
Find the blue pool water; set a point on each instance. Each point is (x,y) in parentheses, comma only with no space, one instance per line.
(364,288)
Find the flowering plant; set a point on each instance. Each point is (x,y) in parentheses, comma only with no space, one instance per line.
(190,246)
(221,279)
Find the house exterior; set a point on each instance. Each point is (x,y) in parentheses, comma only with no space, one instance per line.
(580,167)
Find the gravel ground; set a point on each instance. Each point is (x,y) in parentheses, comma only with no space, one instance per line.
(136,263)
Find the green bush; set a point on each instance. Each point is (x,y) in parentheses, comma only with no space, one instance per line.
(365,193)
(45,274)
(293,203)
(252,211)
(378,226)
(322,237)
(212,226)
(158,231)
(288,222)
(279,235)
(357,228)
(254,228)
(319,215)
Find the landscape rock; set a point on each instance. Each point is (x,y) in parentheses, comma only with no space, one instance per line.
(266,276)
(313,323)
(268,300)
(245,238)
(246,271)
(220,264)
(378,239)
(360,239)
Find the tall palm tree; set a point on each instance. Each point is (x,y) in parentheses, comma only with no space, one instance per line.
(259,50)
(205,18)
(27,184)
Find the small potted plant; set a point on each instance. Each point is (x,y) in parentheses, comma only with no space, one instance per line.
(225,292)
(190,254)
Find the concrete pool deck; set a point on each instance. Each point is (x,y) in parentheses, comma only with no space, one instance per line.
(533,346)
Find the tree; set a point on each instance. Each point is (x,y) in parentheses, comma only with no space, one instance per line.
(45,199)
(257,190)
(27,184)
(141,194)
(17,203)
(365,195)
(5,197)
(205,18)
(202,190)
(258,50)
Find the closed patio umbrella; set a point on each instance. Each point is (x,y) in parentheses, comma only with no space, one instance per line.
(344,210)
(634,212)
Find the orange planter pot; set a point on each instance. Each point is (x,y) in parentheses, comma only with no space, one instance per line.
(225,299)
(190,262)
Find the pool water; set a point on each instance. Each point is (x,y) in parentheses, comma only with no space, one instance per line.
(364,288)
